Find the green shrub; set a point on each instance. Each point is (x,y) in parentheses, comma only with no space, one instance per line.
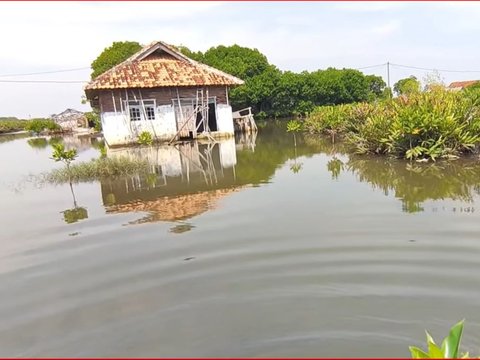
(40,125)
(294,126)
(12,125)
(94,120)
(429,125)
(145,138)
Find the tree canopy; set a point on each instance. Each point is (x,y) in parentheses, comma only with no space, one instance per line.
(113,55)
(272,92)
(407,86)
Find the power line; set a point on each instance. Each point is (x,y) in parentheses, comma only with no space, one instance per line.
(442,70)
(44,81)
(370,66)
(46,72)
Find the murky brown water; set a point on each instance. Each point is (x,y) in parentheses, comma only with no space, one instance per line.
(253,248)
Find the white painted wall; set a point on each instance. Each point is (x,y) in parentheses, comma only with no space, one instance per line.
(225,119)
(119,130)
(116,128)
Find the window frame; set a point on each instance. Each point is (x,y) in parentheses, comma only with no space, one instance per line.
(148,105)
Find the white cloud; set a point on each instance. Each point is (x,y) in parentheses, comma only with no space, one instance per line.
(369,6)
(387,28)
(72,34)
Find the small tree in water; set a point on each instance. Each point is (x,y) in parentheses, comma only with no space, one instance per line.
(65,156)
(295,126)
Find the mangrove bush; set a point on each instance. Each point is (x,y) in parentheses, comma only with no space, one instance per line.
(424,125)
(41,125)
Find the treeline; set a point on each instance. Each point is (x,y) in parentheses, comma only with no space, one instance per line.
(12,124)
(272,92)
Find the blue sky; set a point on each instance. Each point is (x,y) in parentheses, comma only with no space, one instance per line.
(43,36)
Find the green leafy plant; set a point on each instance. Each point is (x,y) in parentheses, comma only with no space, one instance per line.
(145,138)
(294,126)
(60,154)
(448,350)
(94,120)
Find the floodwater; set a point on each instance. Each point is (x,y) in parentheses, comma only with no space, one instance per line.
(246,248)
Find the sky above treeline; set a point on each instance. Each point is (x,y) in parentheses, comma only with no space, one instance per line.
(296,36)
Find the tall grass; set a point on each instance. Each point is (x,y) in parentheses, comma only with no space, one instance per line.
(428,125)
(97,169)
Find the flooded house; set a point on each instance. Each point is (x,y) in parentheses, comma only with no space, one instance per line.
(163,92)
(71,119)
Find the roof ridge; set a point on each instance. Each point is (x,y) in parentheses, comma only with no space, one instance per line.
(136,59)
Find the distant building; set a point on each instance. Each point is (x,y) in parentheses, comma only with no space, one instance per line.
(460,85)
(162,91)
(70,119)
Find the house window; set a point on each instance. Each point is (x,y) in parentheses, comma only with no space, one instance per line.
(135,114)
(150,110)
(141,110)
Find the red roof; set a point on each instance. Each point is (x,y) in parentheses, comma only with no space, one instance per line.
(159,65)
(462,84)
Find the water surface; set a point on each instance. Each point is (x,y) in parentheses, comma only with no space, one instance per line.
(253,248)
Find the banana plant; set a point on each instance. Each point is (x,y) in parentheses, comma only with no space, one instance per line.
(448,349)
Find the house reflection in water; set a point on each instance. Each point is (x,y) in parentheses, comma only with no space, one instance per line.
(186,179)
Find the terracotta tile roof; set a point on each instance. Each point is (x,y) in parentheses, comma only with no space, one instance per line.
(159,65)
(462,84)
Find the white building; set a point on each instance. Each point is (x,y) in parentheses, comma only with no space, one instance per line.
(163,92)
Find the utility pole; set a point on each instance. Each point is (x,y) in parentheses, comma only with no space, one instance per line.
(388,74)
(388,80)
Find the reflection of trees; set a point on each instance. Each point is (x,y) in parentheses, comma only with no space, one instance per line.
(38,143)
(335,166)
(416,183)
(181,228)
(273,150)
(295,167)
(76,213)
(42,143)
